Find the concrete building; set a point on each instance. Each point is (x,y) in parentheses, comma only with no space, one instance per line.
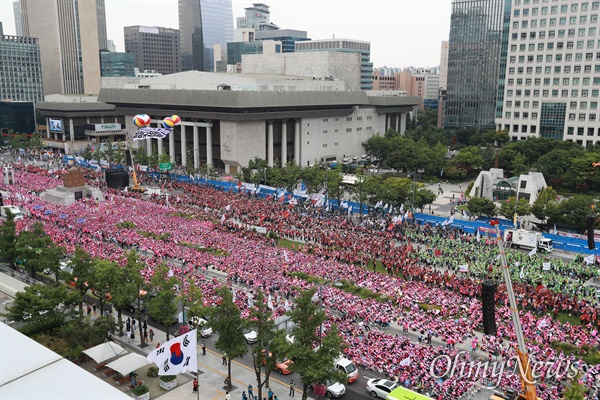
(493,186)
(422,82)
(383,82)
(117,64)
(320,65)
(20,69)
(203,24)
(228,128)
(17,15)
(69,36)
(345,46)
(287,37)
(553,72)
(74,122)
(475,59)
(444,64)
(111,46)
(195,80)
(154,48)
(257,17)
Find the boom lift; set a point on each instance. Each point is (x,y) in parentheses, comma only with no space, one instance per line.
(528,391)
(136,184)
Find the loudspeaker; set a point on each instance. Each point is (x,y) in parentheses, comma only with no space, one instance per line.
(128,159)
(591,221)
(488,306)
(78,195)
(116,178)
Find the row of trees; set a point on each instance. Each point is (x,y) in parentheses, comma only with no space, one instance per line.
(572,211)
(368,189)
(566,166)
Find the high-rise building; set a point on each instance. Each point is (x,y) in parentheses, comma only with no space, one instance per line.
(345,46)
(422,82)
(475,62)
(101,17)
(287,37)
(257,17)
(203,23)
(117,64)
(20,69)
(17,15)
(553,72)
(154,48)
(444,64)
(110,45)
(69,38)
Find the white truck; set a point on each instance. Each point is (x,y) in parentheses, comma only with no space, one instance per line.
(528,240)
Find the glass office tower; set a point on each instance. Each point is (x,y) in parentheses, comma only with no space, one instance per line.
(203,23)
(476,62)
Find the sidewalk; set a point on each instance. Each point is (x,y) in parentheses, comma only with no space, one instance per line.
(211,373)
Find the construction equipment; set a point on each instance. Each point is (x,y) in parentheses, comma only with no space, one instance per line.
(528,391)
(136,184)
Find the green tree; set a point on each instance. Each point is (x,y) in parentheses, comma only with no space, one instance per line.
(260,317)
(481,206)
(510,207)
(360,194)
(124,290)
(378,146)
(574,211)
(545,207)
(105,273)
(469,159)
(227,321)
(38,251)
(519,165)
(424,197)
(313,178)
(333,183)
(81,273)
(44,306)
(575,391)
(163,306)
(86,153)
(313,365)
(8,238)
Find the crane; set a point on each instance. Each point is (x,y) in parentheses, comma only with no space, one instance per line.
(528,391)
(136,184)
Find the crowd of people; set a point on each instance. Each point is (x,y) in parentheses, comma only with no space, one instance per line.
(423,288)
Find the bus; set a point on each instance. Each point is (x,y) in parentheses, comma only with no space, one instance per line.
(401,393)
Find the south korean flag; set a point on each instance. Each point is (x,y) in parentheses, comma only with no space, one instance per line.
(176,356)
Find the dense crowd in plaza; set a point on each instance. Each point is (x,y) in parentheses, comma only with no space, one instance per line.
(425,293)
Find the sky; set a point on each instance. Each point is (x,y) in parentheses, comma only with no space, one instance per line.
(402,32)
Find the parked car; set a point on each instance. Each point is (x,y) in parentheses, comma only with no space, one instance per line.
(251,336)
(203,330)
(282,365)
(332,389)
(380,387)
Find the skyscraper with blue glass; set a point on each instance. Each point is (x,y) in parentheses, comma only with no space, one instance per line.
(476,62)
(202,24)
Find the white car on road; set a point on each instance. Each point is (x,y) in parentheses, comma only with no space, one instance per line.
(380,387)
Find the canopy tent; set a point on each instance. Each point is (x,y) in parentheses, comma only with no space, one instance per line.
(30,371)
(128,363)
(105,351)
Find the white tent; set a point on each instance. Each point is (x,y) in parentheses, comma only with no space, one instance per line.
(128,363)
(105,351)
(30,371)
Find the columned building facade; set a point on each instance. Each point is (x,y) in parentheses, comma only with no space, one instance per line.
(228,129)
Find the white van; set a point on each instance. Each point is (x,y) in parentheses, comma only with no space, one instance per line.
(16,211)
(347,367)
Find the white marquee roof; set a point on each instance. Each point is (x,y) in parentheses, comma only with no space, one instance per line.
(30,371)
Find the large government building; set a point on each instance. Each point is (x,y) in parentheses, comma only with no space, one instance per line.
(226,129)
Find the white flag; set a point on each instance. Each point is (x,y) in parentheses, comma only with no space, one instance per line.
(465,214)
(270,302)
(478,235)
(228,207)
(405,362)
(589,259)
(463,268)
(386,206)
(177,356)
(287,305)
(522,273)
(401,208)
(532,252)
(223,218)
(285,256)
(546,266)
(170,273)
(555,231)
